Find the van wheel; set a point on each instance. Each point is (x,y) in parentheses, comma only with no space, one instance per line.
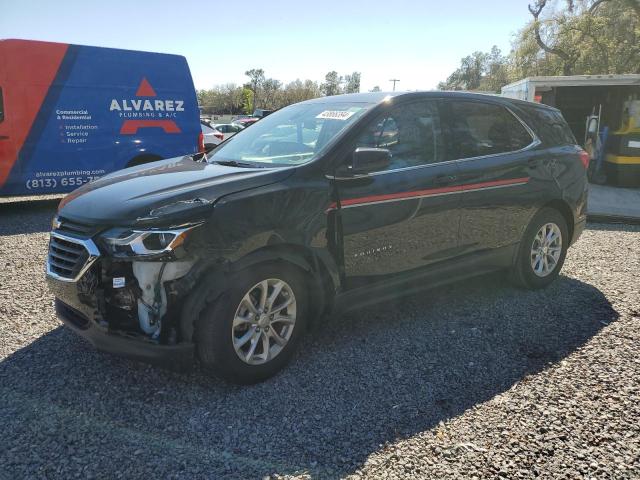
(142,159)
(542,250)
(253,329)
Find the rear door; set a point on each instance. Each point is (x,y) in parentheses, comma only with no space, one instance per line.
(501,176)
(404,217)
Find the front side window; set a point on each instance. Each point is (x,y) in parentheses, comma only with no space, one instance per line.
(293,135)
(478,129)
(410,132)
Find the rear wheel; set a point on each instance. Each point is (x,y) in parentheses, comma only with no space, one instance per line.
(253,329)
(542,250)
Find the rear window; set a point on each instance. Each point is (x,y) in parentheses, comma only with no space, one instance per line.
(552,127)
(1,106)
(478,129)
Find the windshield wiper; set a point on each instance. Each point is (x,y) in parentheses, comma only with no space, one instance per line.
(234,163)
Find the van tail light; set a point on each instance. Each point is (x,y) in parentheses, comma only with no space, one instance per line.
(585,158)
(219,135)
(201,142)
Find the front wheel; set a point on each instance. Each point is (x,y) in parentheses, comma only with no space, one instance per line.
(253,329)
(542,250)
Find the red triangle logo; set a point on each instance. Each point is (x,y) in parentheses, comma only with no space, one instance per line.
(145,89)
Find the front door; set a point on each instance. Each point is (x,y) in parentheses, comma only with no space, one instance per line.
(406,216)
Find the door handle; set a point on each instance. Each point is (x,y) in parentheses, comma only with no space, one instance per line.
(445,179)
(4,137)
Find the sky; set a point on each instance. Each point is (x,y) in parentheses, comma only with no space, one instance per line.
(418,42)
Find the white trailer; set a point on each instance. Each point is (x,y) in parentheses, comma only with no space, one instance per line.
(536,88)
(577,96)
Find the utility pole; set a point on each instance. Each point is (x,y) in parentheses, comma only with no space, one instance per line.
(394,80)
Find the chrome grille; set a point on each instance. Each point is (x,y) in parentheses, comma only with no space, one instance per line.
(69,257)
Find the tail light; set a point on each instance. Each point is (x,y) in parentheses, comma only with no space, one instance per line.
(201,142)
(219,135)
(585,158)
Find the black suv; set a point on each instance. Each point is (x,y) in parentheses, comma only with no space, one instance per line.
(324,205)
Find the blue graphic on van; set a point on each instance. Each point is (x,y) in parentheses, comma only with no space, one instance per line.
(105,109)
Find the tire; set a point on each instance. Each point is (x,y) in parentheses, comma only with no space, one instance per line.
(523,272)
(215,332)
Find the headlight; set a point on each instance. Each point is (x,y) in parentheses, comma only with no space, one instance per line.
(121,242)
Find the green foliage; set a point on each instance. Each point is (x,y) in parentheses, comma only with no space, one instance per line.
(247,101)
(256,76)
(269,93)
(576,37)
(331,86)
(333,83)
(352,83)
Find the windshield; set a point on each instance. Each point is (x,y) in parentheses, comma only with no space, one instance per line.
(294,135)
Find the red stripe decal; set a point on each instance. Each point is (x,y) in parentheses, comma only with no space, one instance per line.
(428,192)
(394,196)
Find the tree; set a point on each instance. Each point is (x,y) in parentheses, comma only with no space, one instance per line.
(298,91)
(352,83)
(551,45)
(577,37)
(375,89)
(248,102)
(270,89)
(469,75)
(495,71)
(256,79)
(332,84)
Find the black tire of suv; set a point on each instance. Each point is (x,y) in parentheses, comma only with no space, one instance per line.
(522,273)
(214,345)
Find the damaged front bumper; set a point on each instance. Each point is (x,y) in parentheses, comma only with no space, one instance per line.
(125,307)
(175,357)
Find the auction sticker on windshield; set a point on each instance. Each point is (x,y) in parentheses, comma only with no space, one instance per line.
(336,114)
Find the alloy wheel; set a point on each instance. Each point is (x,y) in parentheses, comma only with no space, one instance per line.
(546,249)
(264,321)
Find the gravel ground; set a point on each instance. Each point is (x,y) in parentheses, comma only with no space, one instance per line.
(477,379)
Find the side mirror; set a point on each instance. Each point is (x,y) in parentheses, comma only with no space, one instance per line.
(368,160)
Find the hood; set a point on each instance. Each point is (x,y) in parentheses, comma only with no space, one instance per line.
(161,192)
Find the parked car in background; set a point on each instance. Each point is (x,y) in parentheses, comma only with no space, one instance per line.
(228,129)
(261,112)
(235,118)
(212,137)
(245,122)
(324,205)
(71,113)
